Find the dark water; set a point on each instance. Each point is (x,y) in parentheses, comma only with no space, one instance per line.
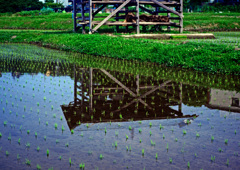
(79,112)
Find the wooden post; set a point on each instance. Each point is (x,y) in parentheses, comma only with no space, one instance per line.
(181,18)
(90,16)
(117,15)
(180,98)
(137,13)
(126,9)
(75,85)
(137,84)
(169,15)
(83,17)
(74,16)
(90,90)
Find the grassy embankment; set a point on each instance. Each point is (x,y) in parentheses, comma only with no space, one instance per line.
(202,56)
(198,55)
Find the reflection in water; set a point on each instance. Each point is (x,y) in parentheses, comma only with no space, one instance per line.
(224,100)
(104,96)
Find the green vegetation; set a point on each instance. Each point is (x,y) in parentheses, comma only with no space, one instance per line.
(63,21)
(202,56)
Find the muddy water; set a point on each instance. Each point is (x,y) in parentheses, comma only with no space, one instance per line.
(106,117)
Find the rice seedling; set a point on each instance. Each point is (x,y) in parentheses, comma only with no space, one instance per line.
(45,138)
(163,136)
(28,132)
(212,158)
(226,141)
(7,153)
(72,131)
(9,137)
(36,134)
(55,125)
(161,127)
(197,135)
(153,143)
(184,132)
(101,156)
(28,162)
(227,163)
(130,128)
(18,157)
(142,152)
(60,157)
(47,152)
(188,165)
(82,166)
(220,150)
(126,137)
(27,145)
(150,133)
(0,134)
(5,123)
(212,138)
(39,167)
(38,148)
(70,161)
(170,160)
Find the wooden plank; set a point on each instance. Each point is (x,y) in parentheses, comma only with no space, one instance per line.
(113,13)
(145,9)
(141,2)
(167,8)
(99,9)
(120,23)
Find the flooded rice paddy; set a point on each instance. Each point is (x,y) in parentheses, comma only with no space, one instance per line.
(72,111)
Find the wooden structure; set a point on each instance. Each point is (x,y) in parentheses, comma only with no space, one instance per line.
(105,98)
(85,7)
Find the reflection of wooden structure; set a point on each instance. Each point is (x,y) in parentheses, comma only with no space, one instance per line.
(85,7)
(100,96)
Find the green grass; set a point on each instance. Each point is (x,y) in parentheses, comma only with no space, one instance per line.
(202,56)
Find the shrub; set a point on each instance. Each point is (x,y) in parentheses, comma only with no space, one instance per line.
(46,11)
(28,13)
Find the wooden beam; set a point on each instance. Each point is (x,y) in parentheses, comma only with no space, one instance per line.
(113,13)
(99,9)
(167,8)
(147,10)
